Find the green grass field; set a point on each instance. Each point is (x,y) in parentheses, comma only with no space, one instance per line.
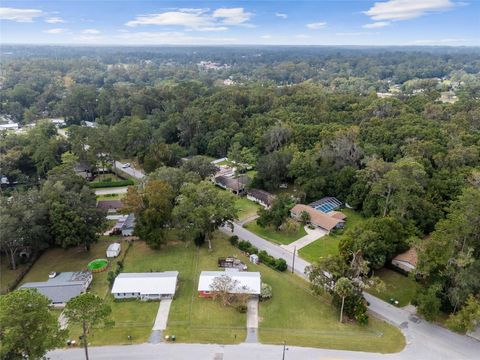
(328,245)
(246,208)
(397,286)
(275,236)
(293,314)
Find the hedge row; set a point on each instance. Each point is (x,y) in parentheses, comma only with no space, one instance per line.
(108,184)
(263,256)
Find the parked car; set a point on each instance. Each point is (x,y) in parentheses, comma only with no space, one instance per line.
(126,165)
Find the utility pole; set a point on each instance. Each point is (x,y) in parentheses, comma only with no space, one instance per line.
(284,345)
(293,261)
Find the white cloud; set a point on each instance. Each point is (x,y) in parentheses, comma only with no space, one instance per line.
(54,20)
(395,10)
(281,15)
(89,39)
(54,31)
(376,25)
(91,31)
(316,26)
(232,16)
(360,33)
(19,15)
(267,36)
(195,19)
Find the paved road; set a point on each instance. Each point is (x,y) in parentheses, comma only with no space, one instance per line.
(433,341)
(113,190)
(137,174)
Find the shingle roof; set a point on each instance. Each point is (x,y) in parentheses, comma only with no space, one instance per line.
(337,215)
(235,184)
(109,204)
(317,218)
(262,195)
(409,256)
(129,222)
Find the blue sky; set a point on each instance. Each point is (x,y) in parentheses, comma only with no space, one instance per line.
(334,22)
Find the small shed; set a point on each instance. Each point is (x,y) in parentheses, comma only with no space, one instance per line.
(254,258)
(113,250)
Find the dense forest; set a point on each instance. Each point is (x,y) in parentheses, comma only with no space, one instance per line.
(310,117)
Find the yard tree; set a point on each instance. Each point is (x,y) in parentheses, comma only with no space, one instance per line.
(229,292)
(202,208)
(152,206)
(175,177)
(27,327)
(467,318)
(343,288)
(74,218)
(200,165)
(277,214)
(88,310)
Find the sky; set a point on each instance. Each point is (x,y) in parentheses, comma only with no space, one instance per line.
(268,22)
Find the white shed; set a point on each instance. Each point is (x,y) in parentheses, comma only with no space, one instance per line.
(113,250)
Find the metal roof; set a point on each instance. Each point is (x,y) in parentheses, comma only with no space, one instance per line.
(146,283)
(249,282)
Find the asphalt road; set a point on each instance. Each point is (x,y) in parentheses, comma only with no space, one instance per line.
(113,190)
(137,174)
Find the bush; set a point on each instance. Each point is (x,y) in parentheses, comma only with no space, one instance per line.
(111,277)
(281,265)
(107,184)
(234,240)
(241,308)
(265,292)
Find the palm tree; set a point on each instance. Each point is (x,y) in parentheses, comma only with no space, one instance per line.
(343,288)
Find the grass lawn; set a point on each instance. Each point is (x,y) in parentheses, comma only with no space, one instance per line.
(328,245)
(246,208)
(8,276)
(397,286)
(275,236)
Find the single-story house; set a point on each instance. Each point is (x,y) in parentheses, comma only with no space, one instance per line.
(83,170)
(112,206)
(261,197)
(113,250)
(128,225)
(61,287)
(337,215)
(406,261)
(58,122)
(145,286)
(234,184)
(247,282)
(317,218)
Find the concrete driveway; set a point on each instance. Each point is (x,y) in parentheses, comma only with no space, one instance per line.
(161,320)
(312,235)
(252,321)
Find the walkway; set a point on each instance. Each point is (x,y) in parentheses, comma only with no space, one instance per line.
(312,235)
(160,321)
(252,321)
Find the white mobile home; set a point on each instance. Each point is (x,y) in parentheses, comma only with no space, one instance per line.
(145,286)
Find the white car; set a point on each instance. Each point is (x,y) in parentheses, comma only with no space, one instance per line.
(126,165)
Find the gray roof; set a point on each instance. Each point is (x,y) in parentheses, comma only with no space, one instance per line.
(58,294)
(62,287)
(129,222)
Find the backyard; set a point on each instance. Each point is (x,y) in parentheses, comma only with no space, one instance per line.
(328,245)
(276,236)
(397,286)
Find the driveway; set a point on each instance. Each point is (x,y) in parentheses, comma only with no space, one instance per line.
(425,340)
(252,321)
(160,323)
(312,235)
(137,174)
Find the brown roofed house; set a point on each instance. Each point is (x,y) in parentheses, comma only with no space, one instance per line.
(317,218)
(261,197)
(337,215)
(110,205)
(406,261)
(236,185)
